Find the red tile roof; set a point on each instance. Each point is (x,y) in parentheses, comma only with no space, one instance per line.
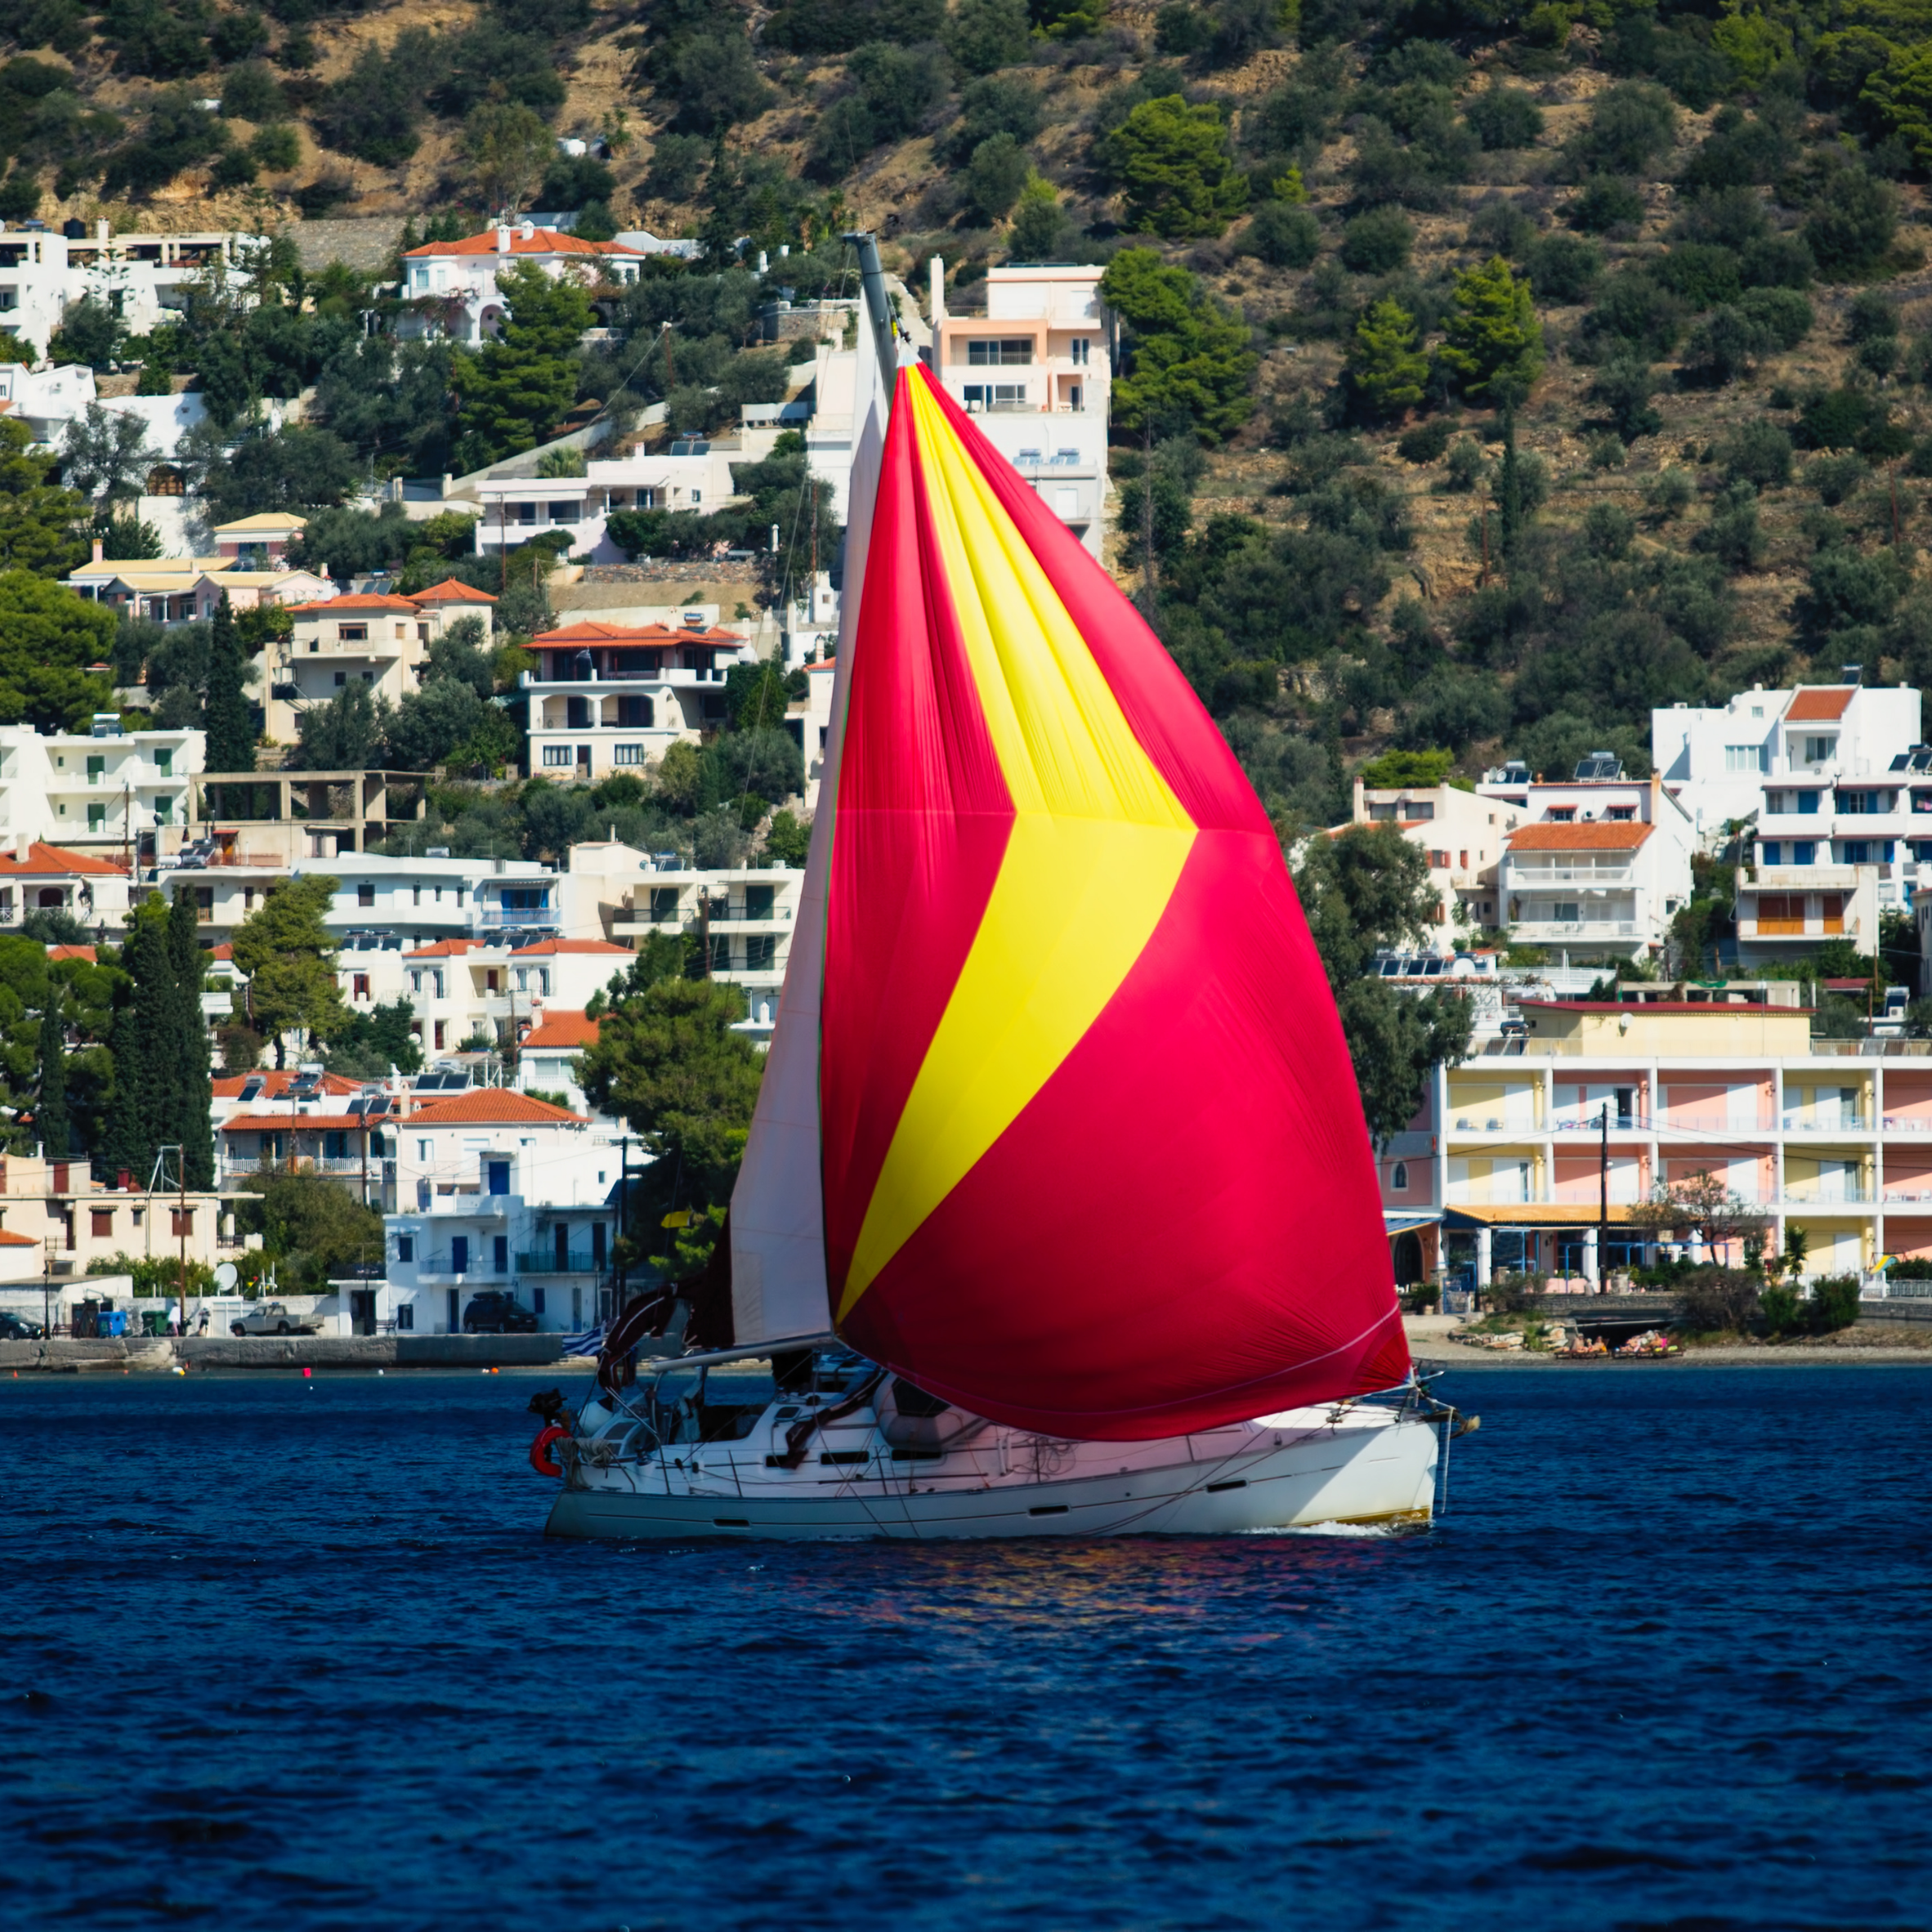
(450,591)
(562,1029)
(301,1123)
(363,602)
(482,1106)
(545,241)
(443,948)
(632,636)
(71,952)
(549,947)
(1819,703)
(223,951)
(9,1239)
(44,861)
(1597,837)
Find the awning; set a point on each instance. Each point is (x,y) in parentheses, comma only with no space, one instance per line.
(1574,1214)
(1403,1220)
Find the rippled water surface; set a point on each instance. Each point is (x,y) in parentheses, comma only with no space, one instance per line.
(291,1654)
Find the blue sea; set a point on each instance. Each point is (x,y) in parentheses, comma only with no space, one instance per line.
(291,1654)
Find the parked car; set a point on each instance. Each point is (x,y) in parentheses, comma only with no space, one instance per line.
(495,1313)
(17,1328)
(272,1318)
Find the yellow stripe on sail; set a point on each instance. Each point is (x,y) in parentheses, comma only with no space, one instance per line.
(1097,846)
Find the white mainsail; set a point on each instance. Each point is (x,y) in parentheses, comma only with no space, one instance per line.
(778,1242)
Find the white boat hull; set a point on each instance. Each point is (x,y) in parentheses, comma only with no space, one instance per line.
(1342,1464)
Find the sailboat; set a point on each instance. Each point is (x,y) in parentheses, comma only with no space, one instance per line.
(1058,1215)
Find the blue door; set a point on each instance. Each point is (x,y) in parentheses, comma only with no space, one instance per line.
(459,1253)
(499,1177)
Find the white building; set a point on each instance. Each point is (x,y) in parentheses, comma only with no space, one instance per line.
(381,641)
(105,791)
(546,1062)
(452,287)
(743,919)
(1717,762)
(492,992)
(35,877)
(1034,370)
(501,1192)
(185,589)
(1596,863)
(615,697)
(810,723)
(144,279)
(1461,834)
(690,473)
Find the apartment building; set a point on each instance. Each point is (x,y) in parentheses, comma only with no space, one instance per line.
(1462,835)
(744,920)
(1830,1137)
(452,288)
(36,877)
(688,473)
(379,641)
(57,1220)
(495,991)
(381,905)
(501,1191)
(1598,863)
(810,722)
(1034,370)
(103,791)
(609,697)
(188,589)
(1719,761)
(314,1128)
(144,279)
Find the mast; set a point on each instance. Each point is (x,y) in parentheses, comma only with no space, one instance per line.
(878,307)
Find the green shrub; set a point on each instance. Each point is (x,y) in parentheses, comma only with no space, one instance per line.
(1757,453)
(275,148)
(1563,268)
(250,93)
(1834,1303)
(1851,225)
(1501,227)
(1426,441)
(1377,243)
(1283,236)
(1833,477)
(1783,314)
(1465,463)
(1504,118)
(1778,261)
(1630,126)
(1873,315)
(1605,205)
(1702,274)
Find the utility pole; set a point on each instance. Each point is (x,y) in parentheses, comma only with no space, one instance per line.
(47,1286)
(1603,1202)
(624,1223)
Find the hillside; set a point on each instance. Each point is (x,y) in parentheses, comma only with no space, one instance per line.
(1677,257)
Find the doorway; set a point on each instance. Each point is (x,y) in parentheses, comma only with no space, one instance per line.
(362,1311)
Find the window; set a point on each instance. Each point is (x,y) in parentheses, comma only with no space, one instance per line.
(1082,350)
(597,1243)
(442,1038)
(995,395)
(405,1317)
(1399,1180)
(96,818)
(351,633)
(1804,852)
(459,1253)
(164,762)
(1857,851)
(97,769)
(360,991)
(556,754)
(1807,803)
(498,1181)
(103,1220)
(761,953)
(499,1254)
(1860,803)
(1621,814)
(341,677)
(366,892)
(1013,351)
(415,895)
(1743,757)
(1439,860)
(422,1150)
(405,1247)
(627,754)
(184,1222)
(1774,851)
(1563,815)
(564,512)
(248,898)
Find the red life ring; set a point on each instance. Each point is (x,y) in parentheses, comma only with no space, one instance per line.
(539,1451)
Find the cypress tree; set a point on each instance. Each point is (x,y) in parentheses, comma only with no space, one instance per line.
(230,726)
(190,1093)
(143,1066)
(51,1108)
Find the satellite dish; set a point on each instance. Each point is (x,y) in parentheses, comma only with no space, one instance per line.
(226,1277)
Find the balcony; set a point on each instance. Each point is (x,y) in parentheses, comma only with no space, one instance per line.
(323,1163)
(1858,1123)
(1710,1124)
(1577,932)
(678,674)
(497,917)
(1525,877)
(1851,1194)
(1592,1123)
(553,1263)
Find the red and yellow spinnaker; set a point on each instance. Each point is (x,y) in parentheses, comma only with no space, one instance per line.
(1092,1159)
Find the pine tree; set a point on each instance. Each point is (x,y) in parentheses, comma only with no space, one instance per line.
(1386,365)
(1510,488)
(51,1117)
(231,727)
(190,1093)
(1495,345)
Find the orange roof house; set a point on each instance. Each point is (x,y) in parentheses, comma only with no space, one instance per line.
(1622,835)
(1819,703)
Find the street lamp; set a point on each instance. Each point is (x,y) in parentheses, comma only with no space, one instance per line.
(50,1245)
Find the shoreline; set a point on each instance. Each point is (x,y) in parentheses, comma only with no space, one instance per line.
(1433,1340)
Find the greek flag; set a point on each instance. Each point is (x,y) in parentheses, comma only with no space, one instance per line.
(589,1343)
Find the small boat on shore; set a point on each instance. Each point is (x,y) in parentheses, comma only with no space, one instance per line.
(1059,1214)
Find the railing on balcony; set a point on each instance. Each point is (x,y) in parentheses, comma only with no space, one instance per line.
(1575,930)
(516,915)
(324,1164)
(549,1262)
(1677,1123)
(1907,1123)
(1592,1123)
(1858,1123)
(1529,878)
(1852,1194)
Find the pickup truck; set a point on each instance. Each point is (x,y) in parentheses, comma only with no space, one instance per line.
(270,1317)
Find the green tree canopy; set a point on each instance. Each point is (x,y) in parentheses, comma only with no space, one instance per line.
(230,725)
(48,637)
(666,1059)
(41,526)
(1495,343)
(1172,166)
(289,957)
(1191,367)
(1386,368)
(1365,888)
(517,389)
